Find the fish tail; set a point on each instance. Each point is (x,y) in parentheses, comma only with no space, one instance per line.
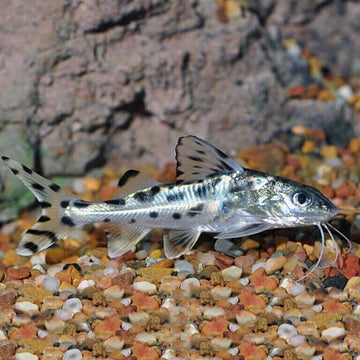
(53,223)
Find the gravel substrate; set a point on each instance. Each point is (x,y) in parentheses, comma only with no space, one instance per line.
(241,301)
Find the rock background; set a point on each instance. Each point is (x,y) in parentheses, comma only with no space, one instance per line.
(88,83)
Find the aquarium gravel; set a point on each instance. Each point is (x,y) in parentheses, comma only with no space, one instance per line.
(242,301)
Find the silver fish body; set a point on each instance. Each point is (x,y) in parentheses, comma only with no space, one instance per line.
(213,193)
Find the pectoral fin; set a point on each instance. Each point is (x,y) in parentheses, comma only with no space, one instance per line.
(245,230)
(178,242)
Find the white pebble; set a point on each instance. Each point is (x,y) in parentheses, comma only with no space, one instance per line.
(316,308)
(191,329)
(297,289)
(53,270)
(25,356)
(332,333)
(126,352)
(27,307)
(183,266)
(63,315)
(73,304)
(190,283)
(85,284)
(126,325)
(258,265)
(145,286)
(110,271)
(232,273)
(213,312)
(286,331)
(38,259)
(141,254)
(126,301)
(73,354)
(206,258)
(233,327)
(244,281)
(51,283)
(147,338)
(42,334)
(296,340)
(169,303)
(221,292)
(233,351)
(233,300)
(346,91)
(169,354)
(319,357)
(2,335)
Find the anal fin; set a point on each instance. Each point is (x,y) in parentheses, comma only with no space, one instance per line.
(122,238)
(178,242)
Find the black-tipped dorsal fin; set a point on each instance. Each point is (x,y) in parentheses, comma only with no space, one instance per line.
(197,159)
(178,242)
(133,181)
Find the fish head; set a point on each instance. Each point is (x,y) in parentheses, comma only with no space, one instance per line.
(298,204)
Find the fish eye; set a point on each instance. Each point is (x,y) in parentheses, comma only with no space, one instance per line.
(302,198)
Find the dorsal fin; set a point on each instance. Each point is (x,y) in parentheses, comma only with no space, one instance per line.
(133,181)
(197,159)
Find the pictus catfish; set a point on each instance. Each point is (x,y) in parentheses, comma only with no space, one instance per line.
(212,193)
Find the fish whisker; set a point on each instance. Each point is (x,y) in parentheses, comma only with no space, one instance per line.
(337,251)
(321,252)
(342,236)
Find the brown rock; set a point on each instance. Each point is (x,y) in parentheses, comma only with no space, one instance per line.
(17,274)
(143,352)
(215,327)
(7,351)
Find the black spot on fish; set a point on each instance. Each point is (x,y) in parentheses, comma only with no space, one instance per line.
(44,204)
(235,189)
(198,142)
(5,158)
(195,210)
(31,246)
(106,220)
(26,169)
(132,221)
(64,204)
(37,186)
(54,187)
(67,221)
(78,204)
(75,265)
(43,218)
(128,175)
(195,173)
(201,152)
(176,216)
(195,158)
(115,202)
(147,196)
(154,190)
(14,171)
(153,214)
(46,233)
(176,196)
(140,196)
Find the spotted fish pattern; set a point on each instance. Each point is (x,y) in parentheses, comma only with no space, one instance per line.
(212,193)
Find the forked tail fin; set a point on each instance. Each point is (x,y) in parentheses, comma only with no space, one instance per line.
(53,224)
